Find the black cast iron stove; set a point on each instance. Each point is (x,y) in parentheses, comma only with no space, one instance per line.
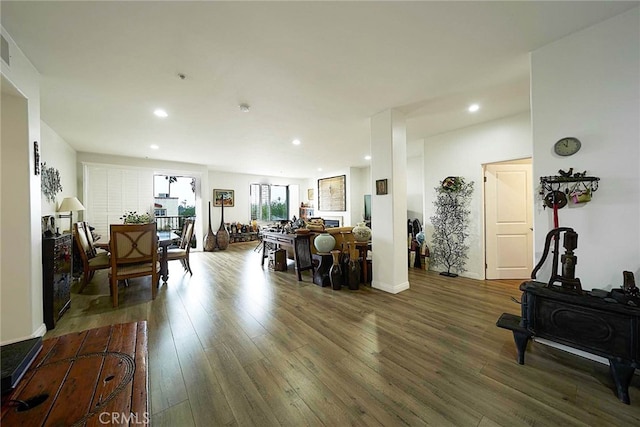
(605,325)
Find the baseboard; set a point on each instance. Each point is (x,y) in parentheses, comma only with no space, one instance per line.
(37,333)
(392,289)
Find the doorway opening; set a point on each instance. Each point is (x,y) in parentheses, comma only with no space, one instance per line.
(174,200)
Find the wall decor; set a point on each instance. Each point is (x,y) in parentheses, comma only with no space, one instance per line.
(381,187)
(221,197)
(50,182)
(332,194)
(36,158)
(310,194)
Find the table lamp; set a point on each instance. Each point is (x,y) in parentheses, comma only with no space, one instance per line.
(70,204)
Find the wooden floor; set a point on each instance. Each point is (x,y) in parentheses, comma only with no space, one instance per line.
(236,344)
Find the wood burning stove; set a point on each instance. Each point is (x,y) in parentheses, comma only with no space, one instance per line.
(608,327)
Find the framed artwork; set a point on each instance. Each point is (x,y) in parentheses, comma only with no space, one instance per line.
(223,196)
(332,193)
(381,186)
(310,194)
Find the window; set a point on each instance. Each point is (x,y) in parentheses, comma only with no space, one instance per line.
(269,202)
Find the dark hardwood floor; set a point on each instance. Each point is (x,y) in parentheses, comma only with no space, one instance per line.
(236,344)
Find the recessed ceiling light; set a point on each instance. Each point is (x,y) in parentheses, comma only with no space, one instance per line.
(296,142)
(319,169)
(244,108)
(367,157)
(161,113)
(154,147)
(473,108)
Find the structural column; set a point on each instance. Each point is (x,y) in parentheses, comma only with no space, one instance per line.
(389,211)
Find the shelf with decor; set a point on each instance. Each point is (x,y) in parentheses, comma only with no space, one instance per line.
(578,188)
(306,212)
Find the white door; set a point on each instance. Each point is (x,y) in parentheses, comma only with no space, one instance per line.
(508,220)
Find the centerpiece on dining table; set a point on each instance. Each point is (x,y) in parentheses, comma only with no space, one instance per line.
(134,217)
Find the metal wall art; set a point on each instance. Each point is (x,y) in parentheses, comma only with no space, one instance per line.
(50,182)
(36,158)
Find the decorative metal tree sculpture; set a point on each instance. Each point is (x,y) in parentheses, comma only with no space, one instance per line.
(450,224)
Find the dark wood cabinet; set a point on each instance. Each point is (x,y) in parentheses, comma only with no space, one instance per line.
(56,277)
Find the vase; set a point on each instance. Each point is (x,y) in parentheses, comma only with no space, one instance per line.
(361,233)
(210,239)
(354,274)
(335,272)
(344,265)
(324,242)
(222,236)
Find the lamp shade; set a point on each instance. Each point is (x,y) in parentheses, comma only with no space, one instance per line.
(70,204)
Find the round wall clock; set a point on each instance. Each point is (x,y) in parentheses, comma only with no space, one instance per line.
(567,146)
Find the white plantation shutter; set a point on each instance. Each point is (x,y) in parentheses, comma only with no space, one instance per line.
(109,191)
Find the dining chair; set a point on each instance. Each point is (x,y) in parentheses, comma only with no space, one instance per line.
(91,261)
(95,245)
(134,253)
(184,247)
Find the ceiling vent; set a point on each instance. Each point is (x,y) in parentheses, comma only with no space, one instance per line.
(4,50)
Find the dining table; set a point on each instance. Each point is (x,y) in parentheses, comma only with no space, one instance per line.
(165,239)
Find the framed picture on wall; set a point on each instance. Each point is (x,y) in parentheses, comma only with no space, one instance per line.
(381,186)
(221,197)
(332,193)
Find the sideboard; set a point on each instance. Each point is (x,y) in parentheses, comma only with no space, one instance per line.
(56,277)
(299,244)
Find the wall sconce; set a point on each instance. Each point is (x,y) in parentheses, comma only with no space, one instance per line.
(70,204)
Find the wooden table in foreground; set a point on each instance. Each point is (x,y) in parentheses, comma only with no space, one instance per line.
(95,377)
(300,244)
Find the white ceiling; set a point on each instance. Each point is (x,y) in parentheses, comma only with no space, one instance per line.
(310,70)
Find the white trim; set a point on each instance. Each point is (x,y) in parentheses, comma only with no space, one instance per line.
(42,329)
(390,288)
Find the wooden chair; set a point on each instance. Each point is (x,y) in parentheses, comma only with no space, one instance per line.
(134,253)
(184,247)
(95,245)
(91,261)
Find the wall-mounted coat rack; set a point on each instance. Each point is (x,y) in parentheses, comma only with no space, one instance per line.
(558,189)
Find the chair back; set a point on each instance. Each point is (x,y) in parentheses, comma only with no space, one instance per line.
(133,243)
(80,234)
(87,231)
(187,234)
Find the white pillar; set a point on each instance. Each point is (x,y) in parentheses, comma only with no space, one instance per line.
(389,211)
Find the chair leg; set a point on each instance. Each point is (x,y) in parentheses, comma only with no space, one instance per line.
(114,291)
(186,261)
(155,283)
(85,281)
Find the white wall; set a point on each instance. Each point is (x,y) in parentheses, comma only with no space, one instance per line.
(21,276)
(415,187)
(240,184)
(58,154)
(587,85)
(462,153)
